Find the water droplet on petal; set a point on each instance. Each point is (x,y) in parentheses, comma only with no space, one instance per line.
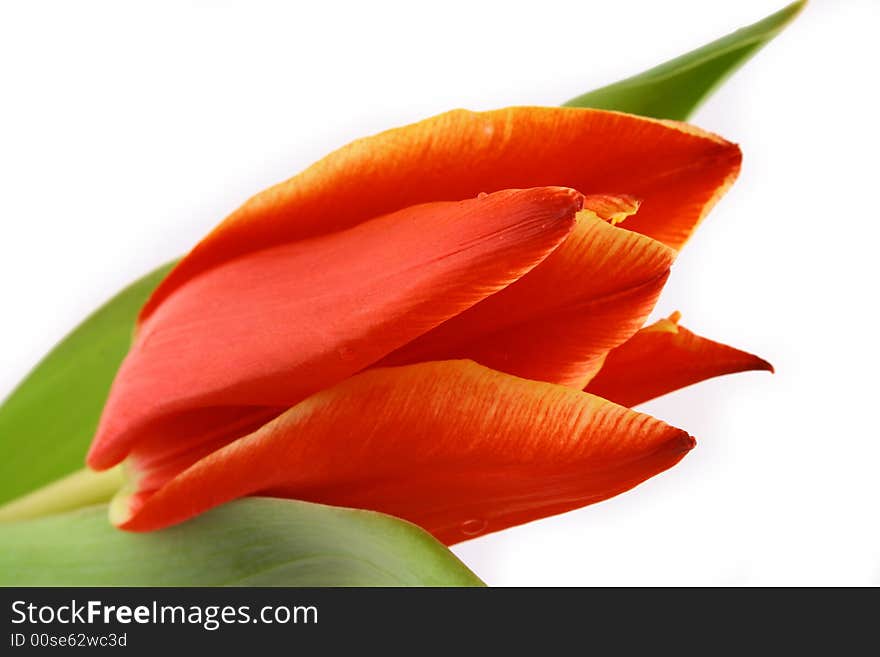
(473,527)
(482,195)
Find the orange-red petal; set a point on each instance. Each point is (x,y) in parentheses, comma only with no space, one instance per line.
(274,326)
(677,170)
(664,357)
(452,446)
(613,208)
(558,321)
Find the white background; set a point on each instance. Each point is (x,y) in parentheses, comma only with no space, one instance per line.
(125,133)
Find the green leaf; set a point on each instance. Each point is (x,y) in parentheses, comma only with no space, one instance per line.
(48,421)
(249,542)
(676,88)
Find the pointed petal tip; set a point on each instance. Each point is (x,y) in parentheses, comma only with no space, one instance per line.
(763,365)
(101,455)
(677,443)
(574,196)
(96,458)
(752,363)
(664,357)
(570,201)
(685,442)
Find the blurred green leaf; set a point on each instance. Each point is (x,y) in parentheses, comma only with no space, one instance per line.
(47,423)
(249,542)
(675,89)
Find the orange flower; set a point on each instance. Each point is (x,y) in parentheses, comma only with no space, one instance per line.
(409,324)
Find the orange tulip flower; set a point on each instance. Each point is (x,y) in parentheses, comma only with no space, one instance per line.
(409,326)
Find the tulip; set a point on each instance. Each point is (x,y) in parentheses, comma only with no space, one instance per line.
(409,326)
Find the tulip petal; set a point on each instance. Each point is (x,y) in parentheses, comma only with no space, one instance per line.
(559,321)
(272,327)
(677,170)
(613,208)
(664,357)
(452,446)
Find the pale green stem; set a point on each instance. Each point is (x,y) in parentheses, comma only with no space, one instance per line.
(82,488)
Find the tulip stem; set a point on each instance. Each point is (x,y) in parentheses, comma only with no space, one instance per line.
(82,488)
